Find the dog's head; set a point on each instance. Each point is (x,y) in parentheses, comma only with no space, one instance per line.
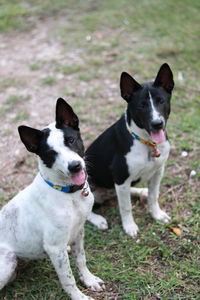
(149,103)
(59,146)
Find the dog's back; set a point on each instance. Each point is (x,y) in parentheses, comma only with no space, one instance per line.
(105,153)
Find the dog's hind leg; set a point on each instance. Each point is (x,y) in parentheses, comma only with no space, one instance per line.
(97,220)
(153,194)
(90,281)
(142,193)
(8,263)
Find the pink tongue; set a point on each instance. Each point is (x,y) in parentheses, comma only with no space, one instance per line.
(79,178)
(158,137)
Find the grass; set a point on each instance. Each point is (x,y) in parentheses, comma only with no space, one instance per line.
(49,80)
(137,37)
(22,116)
(9,82)
(11,103)
(34,66)
(69,69)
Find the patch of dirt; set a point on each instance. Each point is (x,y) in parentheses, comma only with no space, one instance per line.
(17,54)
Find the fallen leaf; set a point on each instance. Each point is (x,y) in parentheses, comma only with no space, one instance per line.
(175,230)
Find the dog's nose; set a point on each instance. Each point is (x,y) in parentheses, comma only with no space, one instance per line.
(157,124)
(75,166)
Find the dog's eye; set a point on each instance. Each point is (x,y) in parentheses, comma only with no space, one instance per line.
(159,100)
(143,104)
(70,140)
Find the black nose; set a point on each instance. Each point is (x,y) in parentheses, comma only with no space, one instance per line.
(74,166)
(157,124)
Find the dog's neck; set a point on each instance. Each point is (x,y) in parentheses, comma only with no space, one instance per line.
(49,174)
(137,130)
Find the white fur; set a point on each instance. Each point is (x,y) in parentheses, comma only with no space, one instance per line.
(41,220)
(155,114)
(98,220)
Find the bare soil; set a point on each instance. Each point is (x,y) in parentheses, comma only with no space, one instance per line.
(17,54)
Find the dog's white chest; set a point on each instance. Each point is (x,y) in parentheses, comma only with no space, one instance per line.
(74,214)
(41,213)
(141,165)
(65,214)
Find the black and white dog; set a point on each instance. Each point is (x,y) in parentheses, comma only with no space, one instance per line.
(50,213)
(135,148)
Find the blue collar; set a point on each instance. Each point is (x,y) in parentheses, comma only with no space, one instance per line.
(64,189)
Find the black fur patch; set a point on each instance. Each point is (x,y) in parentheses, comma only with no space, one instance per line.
(45,152)
(133,183)
(106,156)
(73,140)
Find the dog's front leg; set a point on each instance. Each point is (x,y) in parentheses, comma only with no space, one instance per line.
(60,260)
(92,282)
(125,207)
(153,194)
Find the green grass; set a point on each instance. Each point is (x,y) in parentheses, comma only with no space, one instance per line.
(23,115)
(49,80)
(11,104)
(34,66)
(69,69)
(137,37)
(9,82)
(12,100)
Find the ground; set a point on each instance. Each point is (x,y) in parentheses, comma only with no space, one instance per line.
(77,50)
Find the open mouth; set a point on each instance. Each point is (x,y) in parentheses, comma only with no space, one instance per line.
(158,136)
(79,178)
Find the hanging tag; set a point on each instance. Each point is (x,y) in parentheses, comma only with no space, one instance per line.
(155,153)
(85,191)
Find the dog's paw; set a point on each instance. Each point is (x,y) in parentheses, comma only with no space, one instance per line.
(83,297)
(144,194)
(98,221)
(69,250)
(160,215)
(131,229)
(139,192)
(94,283)
(78,295)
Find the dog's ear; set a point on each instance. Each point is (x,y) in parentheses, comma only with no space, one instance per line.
(128,86)
(30,137)
(65,115)
(164,78)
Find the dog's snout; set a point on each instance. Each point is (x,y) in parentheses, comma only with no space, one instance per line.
(157,124)
(75,166)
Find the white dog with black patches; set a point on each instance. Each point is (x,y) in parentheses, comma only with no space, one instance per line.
(50,213)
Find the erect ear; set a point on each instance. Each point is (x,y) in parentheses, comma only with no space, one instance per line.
(30,137)
(164,78)
(128,86)
(65,115)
